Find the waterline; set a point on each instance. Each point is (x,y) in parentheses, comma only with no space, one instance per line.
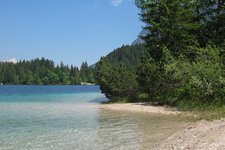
(71,121)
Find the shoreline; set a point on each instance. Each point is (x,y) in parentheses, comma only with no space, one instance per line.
(198,135)
(141,107)
(201,135)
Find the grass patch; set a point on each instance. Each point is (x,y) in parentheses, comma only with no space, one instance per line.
(199,106)
(203,111)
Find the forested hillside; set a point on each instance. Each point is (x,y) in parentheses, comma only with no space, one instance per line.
(44,72)
(183,64)
(129,55)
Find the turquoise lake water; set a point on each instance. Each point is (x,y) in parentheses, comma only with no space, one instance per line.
(68,117)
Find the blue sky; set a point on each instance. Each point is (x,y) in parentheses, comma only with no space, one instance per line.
(71,31)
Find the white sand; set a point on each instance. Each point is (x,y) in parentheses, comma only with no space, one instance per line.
(140,107)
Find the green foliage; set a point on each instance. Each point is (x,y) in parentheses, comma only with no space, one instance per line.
(127,55)
(177,67)
(181,82)
(169,24)
(149,76)
(157,77)
(43,71)
(204,79)
(116,73)
(115,81)
(180,68)
(86,73)
(143,97)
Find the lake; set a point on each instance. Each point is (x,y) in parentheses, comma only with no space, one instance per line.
(68,117)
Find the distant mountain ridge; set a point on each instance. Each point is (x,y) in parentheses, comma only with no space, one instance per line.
(139,40)
(128,54)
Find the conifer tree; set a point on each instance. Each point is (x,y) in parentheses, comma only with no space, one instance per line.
(169,23)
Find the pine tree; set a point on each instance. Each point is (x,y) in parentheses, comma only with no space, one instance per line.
(169,23)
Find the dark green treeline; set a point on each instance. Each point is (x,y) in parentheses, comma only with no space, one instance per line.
(183,61)
(115,73)
(44,72)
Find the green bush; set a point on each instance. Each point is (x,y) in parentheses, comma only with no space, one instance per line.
(116,81)
(203,80)
(179,81)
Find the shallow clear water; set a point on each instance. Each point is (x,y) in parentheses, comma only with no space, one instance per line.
(68,117)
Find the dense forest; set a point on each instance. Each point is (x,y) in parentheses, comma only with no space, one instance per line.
(119,65)
(128,55)
(44,72)
(183,61)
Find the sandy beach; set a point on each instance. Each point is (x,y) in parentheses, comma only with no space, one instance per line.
(140,107)
(201,135)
